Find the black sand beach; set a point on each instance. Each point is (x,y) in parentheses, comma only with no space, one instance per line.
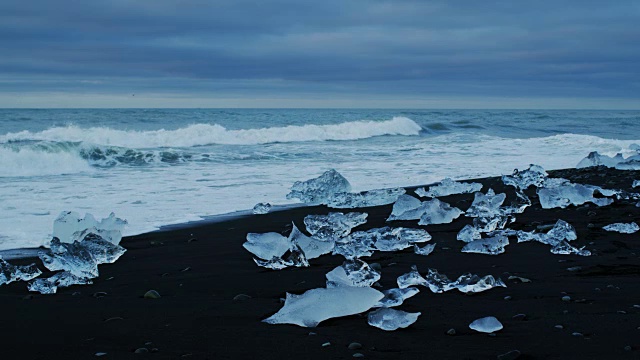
(199,269)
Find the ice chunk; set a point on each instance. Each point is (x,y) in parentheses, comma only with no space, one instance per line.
(406,208)
(261,208)
(68,226)
(562,230)
(395,297)
(103,251)
(449,187)
(629,164)
(352,273)
(490,246)
(385,238)
(10,273)
(411,278)
(267,246)
(486,205)
(567,194)
(596,159)
(389,239)
(413,235)
(391,319)
(625,228)
(468,234)
(312,248)
(564,248)
(426,250)
(469,283)
(438,283)
(438,212)
(51,284)
(353,249)
(317,305)
(487,324)
(636,183)
(521,179)
(295,258)
(73,258)
(334,225)
(368,198)
(319,190)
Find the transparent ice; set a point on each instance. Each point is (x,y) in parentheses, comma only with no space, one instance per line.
(352,273)
(564,248)
(629,164)
(391,319)
(68,227)
(354,248)
(449,187)
(266,246)
(333,225)
(377,197)
(425,250)
(487,324)
(490,246)
(312,248)
(486,205)
(413,235)
(438,212)
(438,283)
(469,283)
(319,190)
(294,257)
(521,179)
(74,258)
(596,159)
(411,278)
(561,231)
(103,251)
(636,183)
(51,284)
(565,194)
(406,207)
(10,273)
(395,297)
(317,305)
(261,208)
(625,228)
(468,234)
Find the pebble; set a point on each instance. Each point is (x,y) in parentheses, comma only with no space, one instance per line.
(241,297)
(566,298)
(636,306)
(355,346)
(151,294)
(311,333)
(520,317)
(507,297)
(511,355)
(99,294)
(148,343)
(101,353)
(597,289)
(590,226)
(559,327)
(358,355)
(621,312)
(577,334)
(326,344)
(574,268)
(141,351)
(113,318)
(451,331)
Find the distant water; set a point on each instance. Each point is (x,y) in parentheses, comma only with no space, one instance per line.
(158,167)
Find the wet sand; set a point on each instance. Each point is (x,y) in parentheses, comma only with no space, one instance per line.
(198,270)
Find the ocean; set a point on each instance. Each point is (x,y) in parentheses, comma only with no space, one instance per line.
(156,167)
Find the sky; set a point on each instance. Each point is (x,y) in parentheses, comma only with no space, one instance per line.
(331,53)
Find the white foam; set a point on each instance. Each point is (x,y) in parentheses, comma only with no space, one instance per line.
(209,134)
(30,162)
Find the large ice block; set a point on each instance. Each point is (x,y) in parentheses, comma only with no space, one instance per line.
(535,175)
(406,207)
(565,194)
(267,246)
(490,246)
(391,319)
(317,305)
(487,325)
(319,190)
(411,278)
(486,205)
(624,228)
(74,258)
(103,251)
(596,159)
(449,187)
(334,225)
(10,273)
(395,297)
(377,197)
(352,273)
(68,226)
(438,212)
(51,284)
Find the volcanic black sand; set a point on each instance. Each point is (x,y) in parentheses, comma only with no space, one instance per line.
(199,269)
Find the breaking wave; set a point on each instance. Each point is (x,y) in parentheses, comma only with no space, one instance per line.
(210,134)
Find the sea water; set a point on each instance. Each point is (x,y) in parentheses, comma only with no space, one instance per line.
(157,167)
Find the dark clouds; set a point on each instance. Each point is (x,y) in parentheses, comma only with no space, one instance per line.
(391,49)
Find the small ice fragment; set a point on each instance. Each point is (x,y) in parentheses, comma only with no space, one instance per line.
(487,324)
(391,319)
(10,273)
(636,183)
(521,179)
(468,234)
(411,278)
(319,190)
(276,263)
(312,248)
(334,225)
(267,246)
(352,273)
(395,297)
(562,230)
(596,159)
(449,187)
(438,212)
(426,250)
(490,246)
(624,228)
(564,248)
(565,194)
(377,197)
(406,208)
(103,251)
(51,284)
(469,283)
(74,258)
(261,208)
(317,305)
(486,205)
(438,283)
(353,249)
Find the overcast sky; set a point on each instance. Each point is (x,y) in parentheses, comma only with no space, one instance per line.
(329,53)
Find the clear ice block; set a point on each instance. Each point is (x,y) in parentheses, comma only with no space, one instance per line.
(449,187)
(390,319)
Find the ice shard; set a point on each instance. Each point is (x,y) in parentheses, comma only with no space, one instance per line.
(411,278)
(103,251)
(629,164)
(51,284)
(74,258)
(293,257)
(565,194)
(334,225)
(438,212)
(486,205)
(490,246)
(535,175)
(413,236)
(425,250)
(487,325)
(352,273)
(469,283)
(564,248)
(391,319)
(319,190)
(624,228)
(561,231)
(377,197)
(449,187)
(261,208)
(317,305)
(438,283)
(395,297)
(68,226)
(10,273)
(312,248)
(354,249)
(596,159)
(468,234)
(267,246)
(406,208)
(636,183)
